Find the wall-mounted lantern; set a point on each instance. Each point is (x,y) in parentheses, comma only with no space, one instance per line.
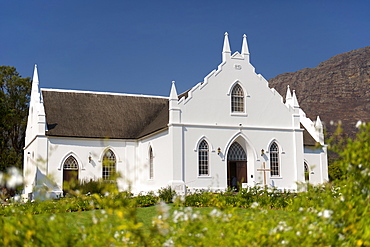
(218,150)
(262,152)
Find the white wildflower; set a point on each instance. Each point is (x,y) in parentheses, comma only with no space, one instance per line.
(94,220)
(215,213)
(163,210)
(194,216)
(325,214)
(177,215)
(298,233)
(169,243)
(254,205)
(52,217)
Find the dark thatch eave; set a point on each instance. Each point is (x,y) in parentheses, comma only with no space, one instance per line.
(184,94)
(97,115)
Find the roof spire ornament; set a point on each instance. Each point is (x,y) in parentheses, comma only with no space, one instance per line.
(245,50)
(35,85)
(35,78)
(318,123)
(173,93)
(288,93)
(320,130)
(226,49)
(288,97)
(295,101)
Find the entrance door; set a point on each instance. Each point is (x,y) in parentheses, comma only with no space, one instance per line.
(236,173)
(236,166)
(70,173)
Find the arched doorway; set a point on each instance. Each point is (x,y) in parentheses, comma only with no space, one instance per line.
(236,166)
(70,172)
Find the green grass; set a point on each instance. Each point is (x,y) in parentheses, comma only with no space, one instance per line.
(145,215)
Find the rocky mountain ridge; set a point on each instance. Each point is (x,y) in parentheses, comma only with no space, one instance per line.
(338,89)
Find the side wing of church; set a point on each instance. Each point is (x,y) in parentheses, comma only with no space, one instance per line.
(231,130)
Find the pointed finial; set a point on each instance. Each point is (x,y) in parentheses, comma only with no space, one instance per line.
(288,94)
(245,50)
(173,93)
(35,78)
(318,123)
(295,100)
(226,47)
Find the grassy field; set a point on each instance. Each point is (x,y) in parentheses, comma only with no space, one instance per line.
(145,215)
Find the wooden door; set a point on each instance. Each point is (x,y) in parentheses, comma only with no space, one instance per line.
(241,172)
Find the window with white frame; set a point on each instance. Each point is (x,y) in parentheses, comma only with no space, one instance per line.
(237,99)
(70,163)
(109,165)
(203,159)
(151,157)
(306,172)
(274,160)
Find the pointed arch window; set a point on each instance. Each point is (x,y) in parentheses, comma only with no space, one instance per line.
(203,159)
(306,172)
(274,160)
(237,99)
(151,157)
(70,163)
(236,153)
(109,165)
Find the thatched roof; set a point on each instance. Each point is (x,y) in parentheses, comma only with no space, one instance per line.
(103,115)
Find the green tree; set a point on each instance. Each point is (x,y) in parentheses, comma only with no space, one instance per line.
(14,98)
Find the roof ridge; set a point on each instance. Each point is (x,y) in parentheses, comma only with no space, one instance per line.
(102,93)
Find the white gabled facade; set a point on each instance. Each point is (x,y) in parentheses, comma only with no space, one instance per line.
(230,125)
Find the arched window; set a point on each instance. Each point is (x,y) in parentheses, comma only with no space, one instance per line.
(237,99)
(274,159)
(203,159)
(70,163)
(236,153)
(109,165)
(151,157)
(306,172)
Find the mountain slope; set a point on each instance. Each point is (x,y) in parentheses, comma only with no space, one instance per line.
(338,89)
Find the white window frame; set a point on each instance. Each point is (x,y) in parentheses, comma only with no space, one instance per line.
(203,153)
(275,153)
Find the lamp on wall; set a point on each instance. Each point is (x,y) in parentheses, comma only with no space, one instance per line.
(90,157)
(262,152)
(218,150)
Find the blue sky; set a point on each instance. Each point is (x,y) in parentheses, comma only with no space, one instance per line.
(141,46)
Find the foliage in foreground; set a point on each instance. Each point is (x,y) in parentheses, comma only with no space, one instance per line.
(328,215)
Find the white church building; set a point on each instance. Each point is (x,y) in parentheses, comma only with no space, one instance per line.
(229,129)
